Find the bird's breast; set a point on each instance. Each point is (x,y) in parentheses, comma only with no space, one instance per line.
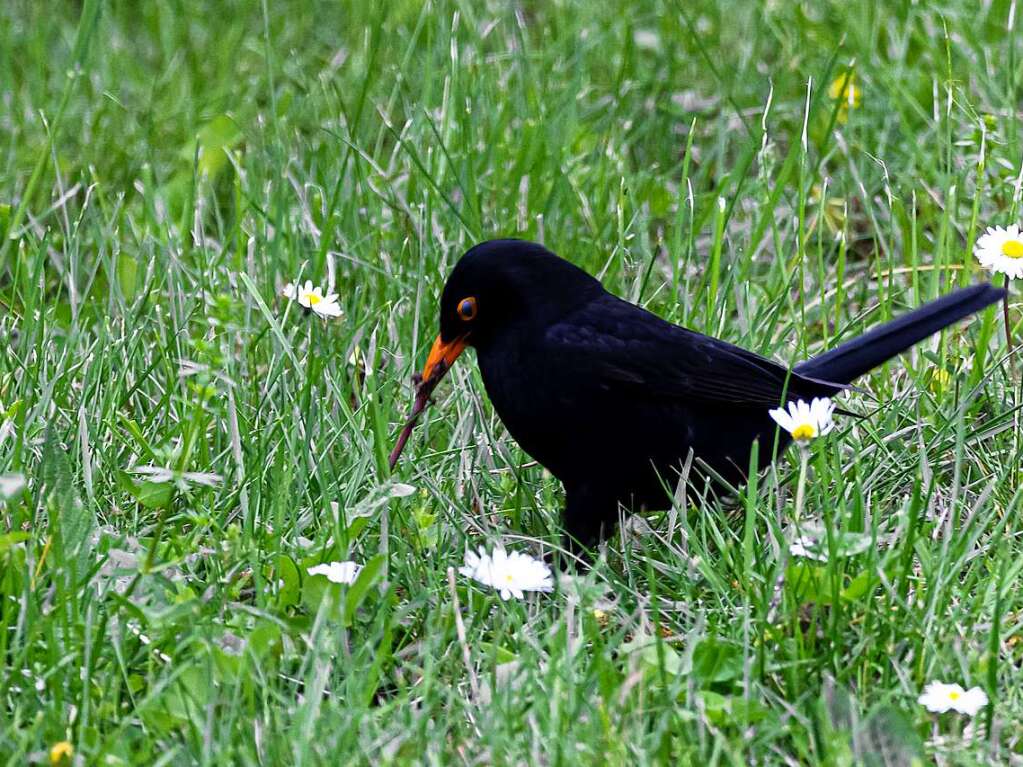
(530,395)
(568,422)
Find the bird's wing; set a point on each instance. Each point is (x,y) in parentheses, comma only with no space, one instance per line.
(617,346)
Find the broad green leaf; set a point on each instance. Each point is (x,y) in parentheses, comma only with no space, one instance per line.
(152,495)
(498,653)
(290,581)
(264,639)
(715,660)
(12,539)
(127,276)
(213,140)
(365,580)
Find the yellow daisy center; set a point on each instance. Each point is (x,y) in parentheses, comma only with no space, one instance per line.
(1012,249)
(509,578)
(313,299)
(804,431)
(954,695)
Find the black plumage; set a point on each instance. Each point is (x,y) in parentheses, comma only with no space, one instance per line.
(611,398)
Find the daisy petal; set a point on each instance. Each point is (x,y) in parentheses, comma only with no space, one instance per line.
(939,697)
(511,574)
(1001,251)
(971,701)
(337,572)
(803,421)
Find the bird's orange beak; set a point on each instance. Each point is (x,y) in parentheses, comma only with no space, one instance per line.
(442,356)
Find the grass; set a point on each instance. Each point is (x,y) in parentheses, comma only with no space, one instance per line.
(168,166)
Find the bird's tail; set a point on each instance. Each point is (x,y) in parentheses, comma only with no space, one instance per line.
(856,357)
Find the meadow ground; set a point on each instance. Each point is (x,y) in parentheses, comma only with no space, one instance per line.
(168,166)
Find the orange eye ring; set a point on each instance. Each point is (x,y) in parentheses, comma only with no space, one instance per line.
(467,308)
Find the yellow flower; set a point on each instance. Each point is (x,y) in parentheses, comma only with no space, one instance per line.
(845,90)
(941,379)
(61,753)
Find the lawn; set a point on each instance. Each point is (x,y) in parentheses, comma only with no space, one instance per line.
(180,443)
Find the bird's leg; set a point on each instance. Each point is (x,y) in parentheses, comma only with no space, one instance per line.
(590,517)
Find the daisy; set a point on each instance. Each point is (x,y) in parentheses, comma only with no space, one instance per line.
(1001,250)
(183,479)
(939,697)
(11,485)
(337,572)
(807,547)
(312,299)
(511,574)
(805,422)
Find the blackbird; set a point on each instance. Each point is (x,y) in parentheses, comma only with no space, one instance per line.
(615,401)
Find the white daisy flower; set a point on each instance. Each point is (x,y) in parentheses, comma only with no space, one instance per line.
(11,485)
(183,479)
(1001,250)
(511,574)
(805,546)
(805,422)
(939,697)
(337,572)
(312,299)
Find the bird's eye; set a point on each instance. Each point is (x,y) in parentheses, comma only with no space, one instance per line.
(467,308)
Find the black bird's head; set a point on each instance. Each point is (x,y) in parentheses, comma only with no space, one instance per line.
(503,286)
(497,288)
